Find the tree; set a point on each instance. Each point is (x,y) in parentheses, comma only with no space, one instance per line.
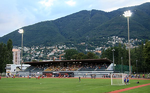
(120,51)
(1,57)
(34,60)
(107,54)
(73,54)
(91,55)
(147,55)
(69,53)
(125,55)
(9,51)
(6,55)
(80,56)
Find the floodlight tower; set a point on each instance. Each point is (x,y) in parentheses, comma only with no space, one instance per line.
(113,50)
(128,14)
(21,32)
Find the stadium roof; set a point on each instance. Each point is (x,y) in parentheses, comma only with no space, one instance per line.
(59,61)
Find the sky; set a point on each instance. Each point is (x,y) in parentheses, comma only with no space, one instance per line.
(15,14)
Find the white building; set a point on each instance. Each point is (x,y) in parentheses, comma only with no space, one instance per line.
(16,56)
(12,68)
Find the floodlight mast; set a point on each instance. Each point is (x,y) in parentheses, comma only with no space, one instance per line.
(21,32)
(128,14)
(113,60)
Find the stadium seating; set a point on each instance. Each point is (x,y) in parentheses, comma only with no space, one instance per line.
(38,69)
(29,69)
(68,68)
(102,68)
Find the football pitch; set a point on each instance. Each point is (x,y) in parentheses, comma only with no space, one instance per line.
(67,85)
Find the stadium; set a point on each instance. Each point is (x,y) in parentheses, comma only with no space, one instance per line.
(73,76)
(69,68)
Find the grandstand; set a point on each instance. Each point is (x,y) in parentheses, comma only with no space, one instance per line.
(69,68)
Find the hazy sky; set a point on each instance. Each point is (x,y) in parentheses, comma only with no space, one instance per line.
(15,14)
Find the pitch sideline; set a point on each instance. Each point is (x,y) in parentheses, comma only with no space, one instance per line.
(121,90)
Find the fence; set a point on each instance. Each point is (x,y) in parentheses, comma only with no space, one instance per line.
(122,68)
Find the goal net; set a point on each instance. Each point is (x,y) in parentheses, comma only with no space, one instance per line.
(118,78)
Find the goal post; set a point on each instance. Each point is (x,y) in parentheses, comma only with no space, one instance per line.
(118,78)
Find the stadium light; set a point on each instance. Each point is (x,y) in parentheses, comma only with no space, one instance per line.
(21,32)
(128,14)
(113,59)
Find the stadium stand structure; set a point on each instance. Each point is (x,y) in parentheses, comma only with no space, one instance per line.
(69,68)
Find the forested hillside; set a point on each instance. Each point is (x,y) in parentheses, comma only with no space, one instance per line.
(85,25)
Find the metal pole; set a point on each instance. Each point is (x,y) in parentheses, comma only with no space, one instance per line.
(129,46)
(136,66)
(113,60)
(121,65)
(21,51)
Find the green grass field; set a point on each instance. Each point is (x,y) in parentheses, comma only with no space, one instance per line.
(66,85)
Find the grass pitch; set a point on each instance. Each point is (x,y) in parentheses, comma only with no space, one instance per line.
(66,85)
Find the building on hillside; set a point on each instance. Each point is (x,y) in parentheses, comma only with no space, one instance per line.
(16,56)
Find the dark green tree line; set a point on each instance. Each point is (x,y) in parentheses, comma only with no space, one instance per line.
(120,54)
(140,57)
(74,54)
(6,55)
(147,55)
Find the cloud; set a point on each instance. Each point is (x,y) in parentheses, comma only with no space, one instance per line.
(15,14)
(47,3)
(71,3)
(10,19)
(110,5)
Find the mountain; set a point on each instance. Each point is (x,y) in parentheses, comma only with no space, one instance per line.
(91,26)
